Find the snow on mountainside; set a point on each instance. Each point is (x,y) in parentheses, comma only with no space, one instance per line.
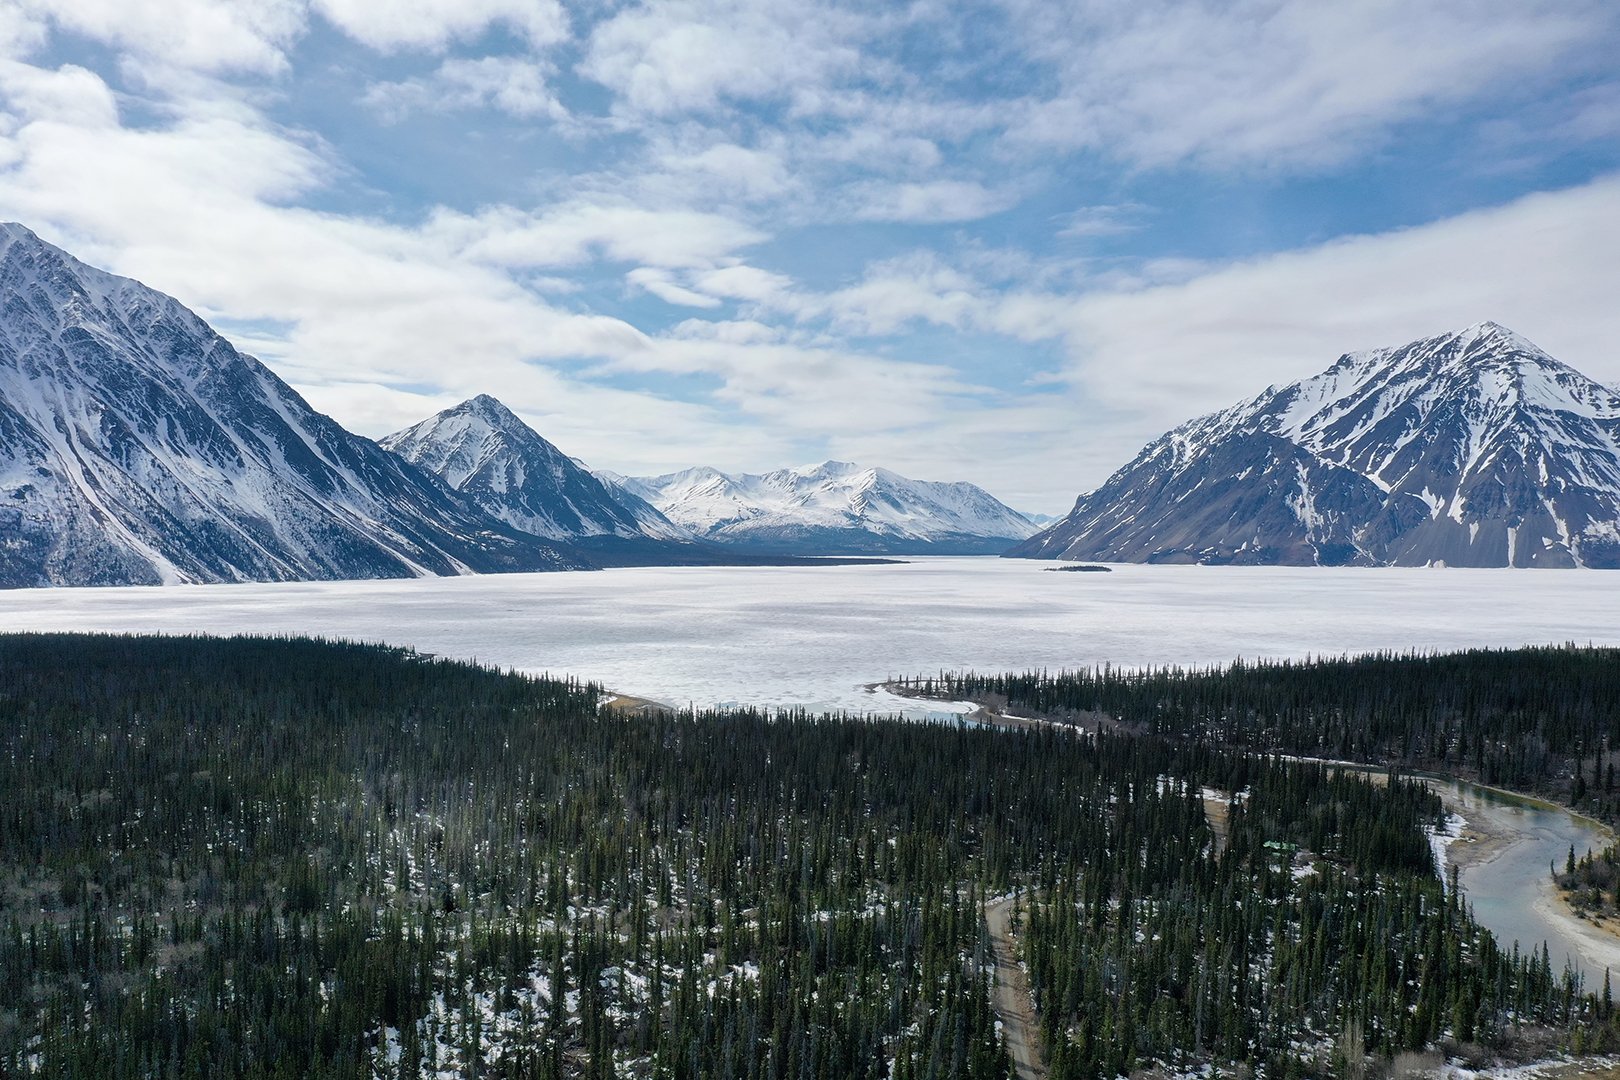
(1469,449)
(834,507)
(482,450)
(137,446)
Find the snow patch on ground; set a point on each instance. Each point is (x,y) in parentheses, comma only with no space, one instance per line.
(1441,838)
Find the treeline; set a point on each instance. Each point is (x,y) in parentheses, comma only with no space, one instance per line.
(1535,719)
(266,858)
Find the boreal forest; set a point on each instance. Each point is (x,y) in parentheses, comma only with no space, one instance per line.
(254,858)
(1539,720)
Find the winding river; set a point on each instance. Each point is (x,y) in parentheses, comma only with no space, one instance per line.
(1506,880)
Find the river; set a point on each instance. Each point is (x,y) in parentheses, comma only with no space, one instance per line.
(1505,875)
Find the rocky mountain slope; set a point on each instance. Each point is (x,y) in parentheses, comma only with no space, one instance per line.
(832,508)
(482,450)
(1473,448)
(137,446)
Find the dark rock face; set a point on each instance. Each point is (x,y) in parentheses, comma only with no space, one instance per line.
(482,450)
(137,446)
(1237,501)
(1468,449)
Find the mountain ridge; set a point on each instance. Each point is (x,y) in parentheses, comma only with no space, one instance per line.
(831,507)
(138,446)
(1472,448)
(484,451)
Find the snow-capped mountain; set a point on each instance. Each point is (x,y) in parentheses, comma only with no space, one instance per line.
(480,449)
(137,446)
(1474,448)
(831,508)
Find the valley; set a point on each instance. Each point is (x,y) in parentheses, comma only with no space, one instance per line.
(795,635)
(294,883)
(814,637)
(749,858)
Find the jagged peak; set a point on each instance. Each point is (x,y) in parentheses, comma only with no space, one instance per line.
(16,237)
(488,411)
(827,470)
(490,407)
(16,230)
(71,282)
(1490,340)
(1481,448)
(483,421)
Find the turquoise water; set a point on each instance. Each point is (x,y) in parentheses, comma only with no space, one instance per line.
(1504,891)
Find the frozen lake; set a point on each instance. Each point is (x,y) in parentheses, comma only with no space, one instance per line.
(813,636)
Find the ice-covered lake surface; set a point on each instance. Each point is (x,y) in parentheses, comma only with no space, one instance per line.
(816,636)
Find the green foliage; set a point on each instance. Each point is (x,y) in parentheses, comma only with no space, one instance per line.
(1252,955)
(257,858)
(1534,719)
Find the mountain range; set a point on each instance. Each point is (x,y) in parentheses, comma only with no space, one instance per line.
(1473,448)
(482,450)
(138,446)
(833,507)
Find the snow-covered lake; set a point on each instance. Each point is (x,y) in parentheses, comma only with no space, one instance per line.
(813,636)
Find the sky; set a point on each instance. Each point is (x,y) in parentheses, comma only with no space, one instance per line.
(1007,243)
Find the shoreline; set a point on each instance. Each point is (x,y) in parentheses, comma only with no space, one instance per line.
(1480,842)
(1485,837)
(1599,944)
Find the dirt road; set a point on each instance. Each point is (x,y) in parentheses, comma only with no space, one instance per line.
(1011,996)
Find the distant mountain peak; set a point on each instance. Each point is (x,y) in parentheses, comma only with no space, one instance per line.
(492,409)
(483,450)
(1468,448)
(835,507)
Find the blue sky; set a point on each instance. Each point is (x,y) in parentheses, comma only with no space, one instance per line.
(999,242)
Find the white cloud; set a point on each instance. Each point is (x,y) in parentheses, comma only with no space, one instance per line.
(668,56)
(934,201)
(202,35)
(895,292)
(743,282)
(434,24)
(805,389)
(1286,81)
(1596,113)
(372,407)
(723,170)
(584,229)
(661,283)
(511,84)
(1544,265)
(70,95)
(21,31)
(1090,221)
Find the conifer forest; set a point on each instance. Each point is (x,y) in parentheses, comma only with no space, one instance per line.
(246,858)
(1542,720)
